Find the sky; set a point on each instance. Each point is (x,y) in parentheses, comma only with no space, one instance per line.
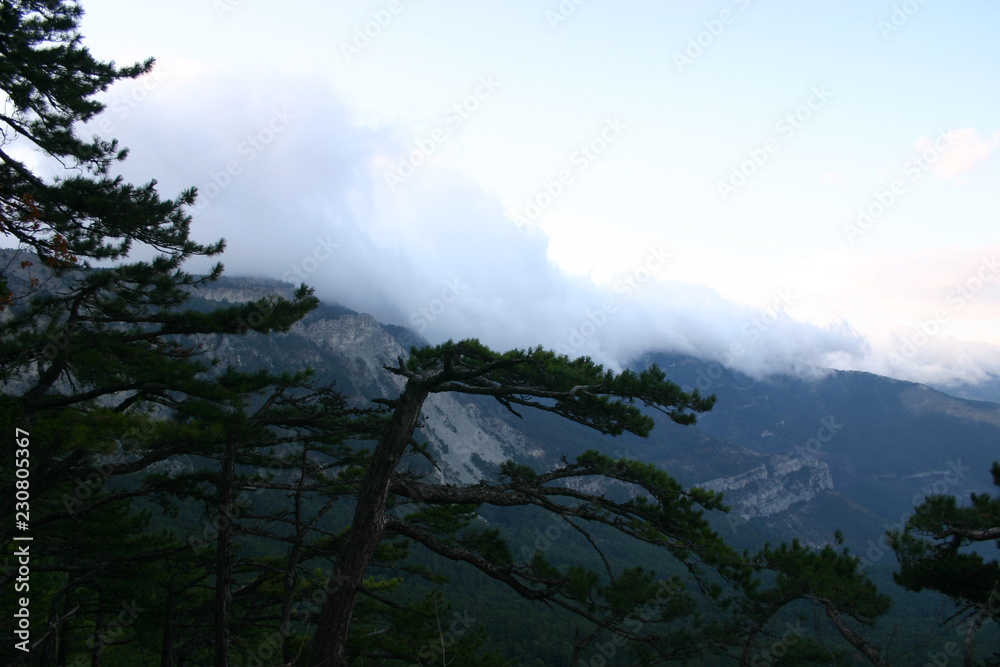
(769,184)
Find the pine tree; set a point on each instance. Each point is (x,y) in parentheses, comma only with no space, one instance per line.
(937,550)
(669,517)
(94,358)
(830,580)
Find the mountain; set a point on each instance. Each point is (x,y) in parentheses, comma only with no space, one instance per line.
(351,349)
(795,456)
(987,390)
(886,444)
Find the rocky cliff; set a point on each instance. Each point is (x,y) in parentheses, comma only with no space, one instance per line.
(469,442)
(799,456)
(846,450)
(774,486)
(470,439)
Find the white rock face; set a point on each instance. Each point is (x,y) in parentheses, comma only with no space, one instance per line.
(774,486)
(469,443)
(242,290)
(363,346)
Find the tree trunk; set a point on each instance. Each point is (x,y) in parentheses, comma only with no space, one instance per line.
(167,648)
(366,530)
(301,529)
(975,623)
(746,657)
(100,630)
(54,645)
(868,649)
(224,556)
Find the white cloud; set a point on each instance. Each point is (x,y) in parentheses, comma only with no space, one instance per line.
(297,187)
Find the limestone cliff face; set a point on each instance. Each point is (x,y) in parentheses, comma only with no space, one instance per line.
(468,438)
(472,443)
(468,441)
(361,347)
(944,440)
(242,290)
(774,486)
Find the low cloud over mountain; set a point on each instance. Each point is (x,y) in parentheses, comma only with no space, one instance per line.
(305,190)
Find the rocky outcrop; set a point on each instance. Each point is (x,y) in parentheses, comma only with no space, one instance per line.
(774,486)
(360,347)
(468,442)
(242,290)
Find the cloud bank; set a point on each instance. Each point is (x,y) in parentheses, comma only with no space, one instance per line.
(296,182)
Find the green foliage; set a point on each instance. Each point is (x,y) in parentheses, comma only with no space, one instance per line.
(826,575)
(428,632)
(577,389)
(631,587)
(489,544)
(51,80)
(443,520)
(936,549)
(106,368)
(517,473)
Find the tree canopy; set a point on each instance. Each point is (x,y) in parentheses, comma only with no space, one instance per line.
(937,550)
(575,389)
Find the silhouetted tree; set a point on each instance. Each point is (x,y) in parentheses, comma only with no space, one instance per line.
(578,390)
(936,552)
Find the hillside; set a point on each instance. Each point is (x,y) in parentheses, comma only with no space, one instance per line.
(795,457)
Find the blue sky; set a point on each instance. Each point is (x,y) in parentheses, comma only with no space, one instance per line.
(561,151)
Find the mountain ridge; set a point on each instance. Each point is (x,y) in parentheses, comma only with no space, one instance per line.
(796,457)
